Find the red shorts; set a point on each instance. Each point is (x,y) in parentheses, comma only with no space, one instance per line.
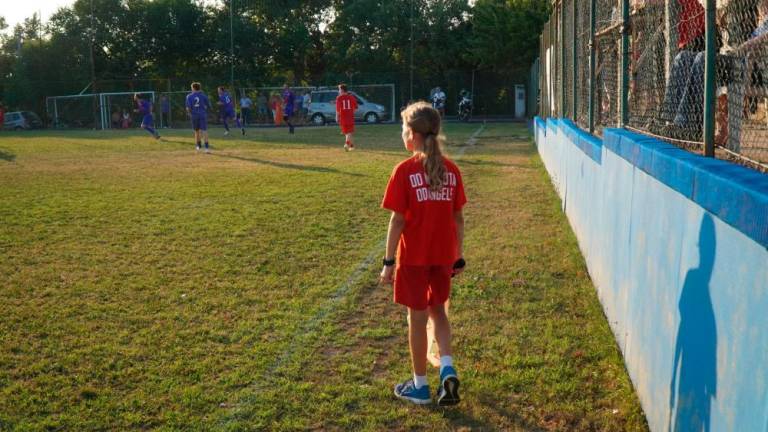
(347,128)
(419,287)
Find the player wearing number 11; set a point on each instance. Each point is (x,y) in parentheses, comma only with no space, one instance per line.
(197,108)
(346,105)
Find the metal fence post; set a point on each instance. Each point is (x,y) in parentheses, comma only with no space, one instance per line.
(553,65)
(542,67)
(562,59)
(592,49)
(574,111)
(624,89)
(709,81)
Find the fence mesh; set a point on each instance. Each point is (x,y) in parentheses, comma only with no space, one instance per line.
(607,70)
(568,60)
(546,63)
(666,70)
(741,116)
(582,66)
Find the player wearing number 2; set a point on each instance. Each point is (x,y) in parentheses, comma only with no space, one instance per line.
(197,107)
(346,105)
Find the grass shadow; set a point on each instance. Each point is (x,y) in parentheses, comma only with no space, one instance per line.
(460,419)
(477,162)
(512,417)
(284,165)
(7,156)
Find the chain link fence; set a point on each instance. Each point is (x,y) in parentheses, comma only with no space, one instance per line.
(568,59)
(582,82)
(664,94)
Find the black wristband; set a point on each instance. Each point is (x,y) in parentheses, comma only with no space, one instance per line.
(460,263)
(388,262)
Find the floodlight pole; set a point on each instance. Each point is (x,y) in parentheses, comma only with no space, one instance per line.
(231,47)
(93,64)
(411,67)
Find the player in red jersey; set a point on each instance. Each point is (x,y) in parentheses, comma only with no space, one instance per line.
(425,194)
(346,105)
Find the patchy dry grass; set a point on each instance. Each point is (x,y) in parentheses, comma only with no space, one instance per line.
(146,286)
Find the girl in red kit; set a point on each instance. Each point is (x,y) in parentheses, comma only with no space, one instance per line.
(426,195)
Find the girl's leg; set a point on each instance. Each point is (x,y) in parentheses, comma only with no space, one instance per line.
(417,339)
(448,393)
(433,356)
(438,315)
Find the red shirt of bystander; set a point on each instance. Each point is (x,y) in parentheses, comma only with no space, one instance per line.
(691,22)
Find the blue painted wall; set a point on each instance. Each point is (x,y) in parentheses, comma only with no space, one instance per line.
(677,247)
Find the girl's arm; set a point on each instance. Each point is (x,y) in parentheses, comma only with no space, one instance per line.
(396,225)
(458,217)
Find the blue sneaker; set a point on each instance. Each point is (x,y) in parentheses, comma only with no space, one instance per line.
(407,390)
(449,387)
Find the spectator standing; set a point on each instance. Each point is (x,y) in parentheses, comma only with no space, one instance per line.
(261,103)
(126,119)
(245,109)
(307,101)
(276,103)
(165,111)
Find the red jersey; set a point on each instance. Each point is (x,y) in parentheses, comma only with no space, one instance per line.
(690,24)
(429,235)
(346,105)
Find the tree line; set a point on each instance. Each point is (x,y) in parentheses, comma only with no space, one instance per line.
(109,45)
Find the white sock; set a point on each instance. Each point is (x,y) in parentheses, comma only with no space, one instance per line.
(445,361)
(419,381)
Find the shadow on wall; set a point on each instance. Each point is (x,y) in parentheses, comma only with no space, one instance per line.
(694,371)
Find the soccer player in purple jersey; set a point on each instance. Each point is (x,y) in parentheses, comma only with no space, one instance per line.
(144,107)
(227,108)
(197,107)
(289,101)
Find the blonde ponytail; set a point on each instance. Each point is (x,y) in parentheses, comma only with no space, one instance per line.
(433,161)
(422,118)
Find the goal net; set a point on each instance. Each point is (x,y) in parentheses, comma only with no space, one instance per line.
(97,110)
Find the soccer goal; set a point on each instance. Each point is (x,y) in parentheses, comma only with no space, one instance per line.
(118,107)
(95,110)
(75,111)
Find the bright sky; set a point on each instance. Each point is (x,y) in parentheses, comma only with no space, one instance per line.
(16,11)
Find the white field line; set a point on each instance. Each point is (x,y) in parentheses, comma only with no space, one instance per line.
(312,325)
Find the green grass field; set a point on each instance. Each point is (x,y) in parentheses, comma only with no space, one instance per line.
(145,286)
